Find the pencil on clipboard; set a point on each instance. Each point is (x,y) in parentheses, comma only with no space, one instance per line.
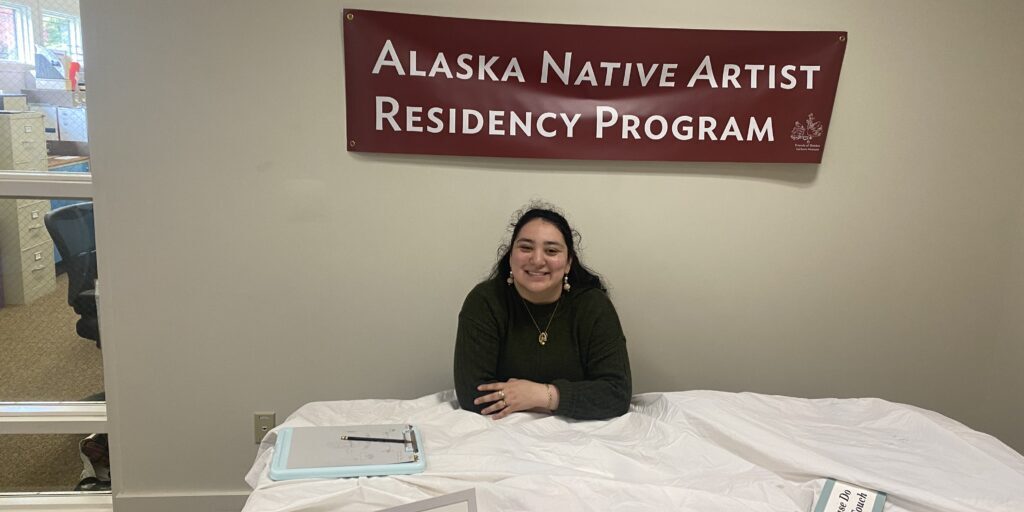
(373,439)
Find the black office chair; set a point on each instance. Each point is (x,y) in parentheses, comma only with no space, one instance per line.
(74,233)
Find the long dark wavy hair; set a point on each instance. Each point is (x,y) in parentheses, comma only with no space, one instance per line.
(580,276)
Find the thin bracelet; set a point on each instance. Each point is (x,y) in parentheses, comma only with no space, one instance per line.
(548,386)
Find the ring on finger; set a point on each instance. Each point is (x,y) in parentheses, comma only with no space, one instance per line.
(504,404)
(501,394)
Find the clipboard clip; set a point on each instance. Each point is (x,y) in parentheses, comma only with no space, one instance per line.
(410,435)
(408,439)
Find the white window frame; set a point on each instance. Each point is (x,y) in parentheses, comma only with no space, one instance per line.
(23,25)
(88,501)
(57,185)
(75,25)
(53,417)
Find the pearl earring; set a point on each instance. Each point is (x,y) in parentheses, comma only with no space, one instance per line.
(509,280)
(565,283)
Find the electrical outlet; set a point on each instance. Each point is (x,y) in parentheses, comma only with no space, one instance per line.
(263,422)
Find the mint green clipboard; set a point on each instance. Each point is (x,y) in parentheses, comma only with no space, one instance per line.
(347,451)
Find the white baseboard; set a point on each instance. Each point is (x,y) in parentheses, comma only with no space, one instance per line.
(229,501)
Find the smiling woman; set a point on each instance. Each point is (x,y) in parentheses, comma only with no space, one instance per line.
(540,334)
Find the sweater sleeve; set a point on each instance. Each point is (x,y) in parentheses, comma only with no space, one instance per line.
(476,350)
(607,389)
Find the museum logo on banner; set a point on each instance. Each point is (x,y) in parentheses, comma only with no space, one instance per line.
(803,134)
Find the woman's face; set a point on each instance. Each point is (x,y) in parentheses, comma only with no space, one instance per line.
(539,260)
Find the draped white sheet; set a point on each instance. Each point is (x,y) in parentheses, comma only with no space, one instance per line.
(699,451)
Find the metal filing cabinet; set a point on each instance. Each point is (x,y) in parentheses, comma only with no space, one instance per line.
(26,251)
(22,141)
(17,102)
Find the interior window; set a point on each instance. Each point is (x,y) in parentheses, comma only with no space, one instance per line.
(52,401)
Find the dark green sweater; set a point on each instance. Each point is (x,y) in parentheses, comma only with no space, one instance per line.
(585,355)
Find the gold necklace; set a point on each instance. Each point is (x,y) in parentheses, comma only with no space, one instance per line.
(542,336)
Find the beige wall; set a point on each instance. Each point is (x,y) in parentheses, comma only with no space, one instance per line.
(1004,401)
(250,263)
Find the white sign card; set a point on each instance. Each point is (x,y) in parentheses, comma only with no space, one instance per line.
(839,496)
(462,501)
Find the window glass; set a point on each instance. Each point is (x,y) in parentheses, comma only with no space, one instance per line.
(51,368)
(60,45)
(47,314)
(10,32)
(49,335)
(52,462)
(49,325)
(62,34)
(57,32)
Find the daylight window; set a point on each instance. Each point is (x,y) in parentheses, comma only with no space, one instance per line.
(62,34)
(14,33)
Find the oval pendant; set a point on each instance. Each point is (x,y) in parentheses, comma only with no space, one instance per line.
(542,338)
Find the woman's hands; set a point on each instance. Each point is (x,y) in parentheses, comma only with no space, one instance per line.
(516,395)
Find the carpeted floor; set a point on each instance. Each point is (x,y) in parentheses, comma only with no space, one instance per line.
(43,359)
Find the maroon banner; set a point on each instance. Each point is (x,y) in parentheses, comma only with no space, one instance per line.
(452,86)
